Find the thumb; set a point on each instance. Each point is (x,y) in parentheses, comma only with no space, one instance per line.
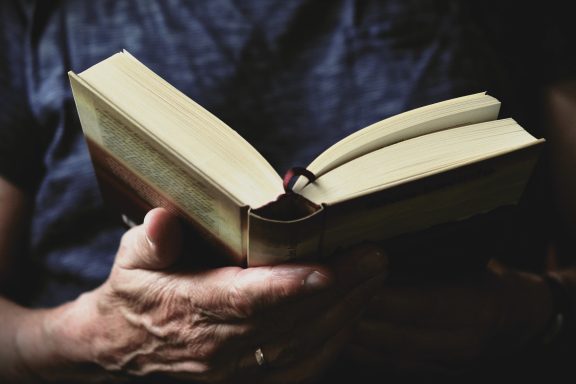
(153,245)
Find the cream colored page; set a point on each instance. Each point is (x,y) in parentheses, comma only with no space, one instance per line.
(198,137)
(464,110)
(85,108)
(416,158)
(384,219)
(214,211)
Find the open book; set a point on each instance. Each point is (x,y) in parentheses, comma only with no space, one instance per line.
(153,146)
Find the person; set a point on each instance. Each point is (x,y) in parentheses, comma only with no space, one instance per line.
(87,300)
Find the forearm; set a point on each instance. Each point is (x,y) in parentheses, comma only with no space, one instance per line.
(11,315)
(45,344)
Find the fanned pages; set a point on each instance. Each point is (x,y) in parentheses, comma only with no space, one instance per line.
(152,146)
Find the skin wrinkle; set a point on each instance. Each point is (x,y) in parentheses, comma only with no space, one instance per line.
(152,324)
(285,352)
(210,333)
(204,316)
(238,330)
(156,334)
(138,361)
(120,359)
(152,361)
(243,308)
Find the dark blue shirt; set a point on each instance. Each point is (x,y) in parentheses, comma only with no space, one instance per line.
(292,77)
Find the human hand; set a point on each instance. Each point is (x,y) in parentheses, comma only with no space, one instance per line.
(205,325)
(448,328)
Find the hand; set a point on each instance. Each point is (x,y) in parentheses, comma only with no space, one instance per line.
(447,327)
(205,325)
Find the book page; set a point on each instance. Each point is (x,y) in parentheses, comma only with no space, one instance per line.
(451,196)
(416,158)
(186,129)
(155,175)
(443,115)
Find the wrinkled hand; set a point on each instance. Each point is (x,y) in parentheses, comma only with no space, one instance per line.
(447,328)
(206,325)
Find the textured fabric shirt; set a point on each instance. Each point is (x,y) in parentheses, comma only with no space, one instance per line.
(292,77)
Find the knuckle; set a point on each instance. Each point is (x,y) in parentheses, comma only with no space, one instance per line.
(133,246)
(209,362)
(127,238)
(240,302)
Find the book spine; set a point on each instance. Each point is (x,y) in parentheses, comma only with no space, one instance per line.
(276,241)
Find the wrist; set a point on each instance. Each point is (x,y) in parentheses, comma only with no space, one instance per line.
(54,344)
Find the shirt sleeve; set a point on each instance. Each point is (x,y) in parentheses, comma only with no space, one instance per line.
(20,145)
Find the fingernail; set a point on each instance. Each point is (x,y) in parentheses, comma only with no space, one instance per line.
(371,261)
(146,224)
(316,280)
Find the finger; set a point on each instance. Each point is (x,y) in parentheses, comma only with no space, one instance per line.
(425,344)
(441,306)
(239,295)
(326,314)
(262,301)
(154,245)
(348,272)
(314,332)
(308,367)
(345,271)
